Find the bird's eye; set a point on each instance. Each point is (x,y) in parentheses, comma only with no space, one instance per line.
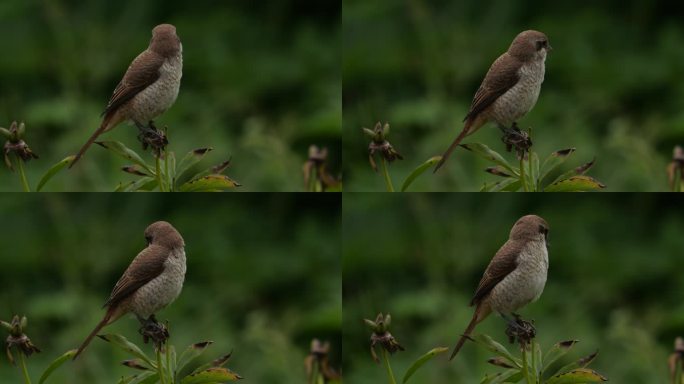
(541,44)
(543,229)
(148,239)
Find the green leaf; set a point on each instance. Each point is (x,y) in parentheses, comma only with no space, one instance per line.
(419,171)
(211,183)
(219,362)
(484,151)
(171,159)
(557,351)
(191,353)
(142,184)
(505,376)
(534,170)
(53,171)
(581,363)
(121,150)
(211,375)
(55,364)
(508,185)
(581,170)
(577,376)
(497,348)
(575,184)
(554,160)
(190,159)
(423,359)
(127,346)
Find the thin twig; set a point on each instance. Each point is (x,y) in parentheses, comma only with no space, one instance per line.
(160,369)
(526,374)
(22,175)
(390,374)
(22,361)
(159,178)
(385,171)
(522,174)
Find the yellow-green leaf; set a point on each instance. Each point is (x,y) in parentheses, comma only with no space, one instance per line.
(419,171)
(55,364)
(127,346)
(580,183)
(209,183)
(211,375)
(53,171)
(121,150)
(577,376)
(422,360)
(497,348)
(484,151)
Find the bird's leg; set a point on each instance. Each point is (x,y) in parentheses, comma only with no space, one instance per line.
(514,137)
(520,329)
(150,136)
(154,330)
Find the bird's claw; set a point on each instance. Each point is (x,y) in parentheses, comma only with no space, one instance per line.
(153,330)
(521,330)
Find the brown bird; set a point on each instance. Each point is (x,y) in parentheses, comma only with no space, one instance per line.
(149,87)
(152,281)
(510,89)
(516,275)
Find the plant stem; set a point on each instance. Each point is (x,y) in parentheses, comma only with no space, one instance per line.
(526,374)
(529,163)
(389,369)
(22,175)
(166,166)
(385,171)
(534,361)
(160,368)
(168,363)
(159,177)
(523,180)
(27,379)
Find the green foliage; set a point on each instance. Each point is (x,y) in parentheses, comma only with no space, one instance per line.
(262,278)
(168,368)
(259,84)
(533,368)
(612,86)
(517,178)
(421,257)
(169,178)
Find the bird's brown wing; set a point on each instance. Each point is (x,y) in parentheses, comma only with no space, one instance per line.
(503,263)
(146,266)
(502,76)
(142,72)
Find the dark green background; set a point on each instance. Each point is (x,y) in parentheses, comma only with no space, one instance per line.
(263,278)
(614,85)
(261,82)
(614,279)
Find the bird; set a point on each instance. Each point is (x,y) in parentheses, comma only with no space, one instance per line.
(153,280)
(510,88)
(515,276)
(149,87)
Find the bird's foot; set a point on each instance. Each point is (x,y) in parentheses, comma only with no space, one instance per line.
(153,330)
(521,330)
(515,138)
(152,137)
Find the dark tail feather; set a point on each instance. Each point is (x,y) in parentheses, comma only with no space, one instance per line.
(466,333)
(91,140)
(93,333)
(453,146)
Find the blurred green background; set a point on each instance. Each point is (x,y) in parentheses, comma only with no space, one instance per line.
(263,278)
(614,279)
(614,85)
(261,82)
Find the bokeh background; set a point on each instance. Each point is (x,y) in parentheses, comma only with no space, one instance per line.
(614,279)
(614,88)
(263,278)
(261,82)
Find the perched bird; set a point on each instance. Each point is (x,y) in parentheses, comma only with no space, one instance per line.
(516,275)
(151,282)
(510,89)
(149,87)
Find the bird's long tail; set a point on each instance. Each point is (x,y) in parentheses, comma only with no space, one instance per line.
(456,142)
(91,140)
(478,316)
(97,329)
